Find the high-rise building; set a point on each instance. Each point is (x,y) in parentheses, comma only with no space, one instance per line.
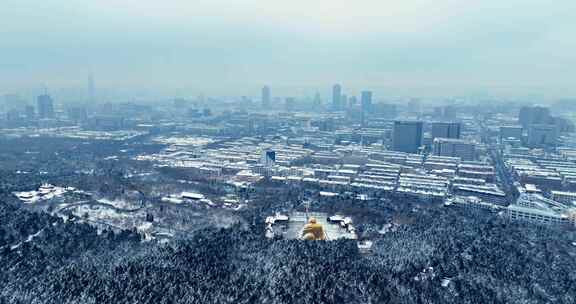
(290,104)
(451,147)
(366,100)
(366,104)
(531,115)
(266,97)
(91,89)
(510,132)
(352,101)
(407,136)
(77,114)
(542,136)
(268,157)
(337,97)
(30,112)
(317,101)
(45,106)
(446,130)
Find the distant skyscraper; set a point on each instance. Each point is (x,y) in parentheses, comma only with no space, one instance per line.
(450,147)
(366,104)
(317,100)
(30,112)
(45,106)
(91,89)
(266,96)
(533,115)
(511,132)
(366,99)
(352,101)
(344,101)
(407,136)
(78,114)
(542,136)
(268,157)
(290,104)
(337,97)
(446,130)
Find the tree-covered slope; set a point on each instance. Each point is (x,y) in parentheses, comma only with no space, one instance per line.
(442,256)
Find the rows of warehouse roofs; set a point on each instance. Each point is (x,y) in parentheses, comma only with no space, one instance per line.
(395,178)
(548,174)
(368,169)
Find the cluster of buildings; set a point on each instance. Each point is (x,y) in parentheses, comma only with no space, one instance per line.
(510,158)
(366,170)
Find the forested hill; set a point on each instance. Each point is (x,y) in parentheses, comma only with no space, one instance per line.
(442,257)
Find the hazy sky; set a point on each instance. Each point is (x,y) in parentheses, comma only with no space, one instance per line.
(235,46)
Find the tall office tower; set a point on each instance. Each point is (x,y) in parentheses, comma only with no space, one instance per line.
(542,136)
(45,106)
(91,90)
(266,97)
(407,136)
(30,112)
(533,115)
(78,114)
(343,102)
(317,100)
(451,147)
(246,100)
(511,132)
(352,101)
(268,158)
(446,130)
(290,104)
(366,104)
(337,97)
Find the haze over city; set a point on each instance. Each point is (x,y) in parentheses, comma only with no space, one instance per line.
(399,48)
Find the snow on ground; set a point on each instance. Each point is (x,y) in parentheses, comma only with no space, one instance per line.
(96,212)
(45,192)
(183,140)
(120,204)
(28,239)
(172,199)
(108,216)
(146,230)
